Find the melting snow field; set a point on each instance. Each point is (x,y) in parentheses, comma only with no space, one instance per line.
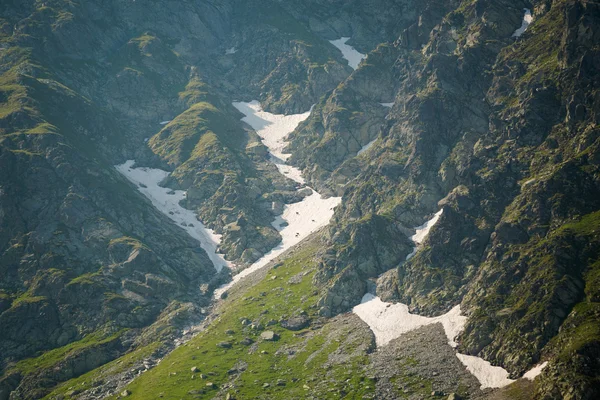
(388,105)
(527,20)
(304,217)
(488,375)
(273,129)
(348,52)
(389,321)
(232,50)
(167,201)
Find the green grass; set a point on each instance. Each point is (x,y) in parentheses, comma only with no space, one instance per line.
(129,241)
(184,136)
(55,356)
(85,279)
(93,378)
(272,298)
(27,298)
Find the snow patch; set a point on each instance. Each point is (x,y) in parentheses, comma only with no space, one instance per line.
(232,50)
(388,105)
(389,321)
(348,52)
(527,20)
(167,201)
(273,130)
(535,371)
(488,375)
(421,233)
(366,147)
(302,218)
(165,122)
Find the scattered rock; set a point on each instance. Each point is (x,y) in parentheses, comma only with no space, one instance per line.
(224,345)
(295,323)
(269,336)
(125,393)
(194,369)
(246,341)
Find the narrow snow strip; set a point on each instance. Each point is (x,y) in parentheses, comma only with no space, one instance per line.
(423,230)
(421,233)
(488,375)
(366,147)
(535,371)
(388,105)
(232,50)
(348,52)
(302,218)
(527,20)
(273,130)
(389,321)
(165,122)
(167,201)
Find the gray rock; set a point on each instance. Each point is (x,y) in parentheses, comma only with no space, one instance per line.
(295,323)
(269,336)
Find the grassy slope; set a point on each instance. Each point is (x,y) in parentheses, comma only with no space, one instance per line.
(273,298)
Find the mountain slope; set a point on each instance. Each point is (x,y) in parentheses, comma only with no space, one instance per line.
(453,110)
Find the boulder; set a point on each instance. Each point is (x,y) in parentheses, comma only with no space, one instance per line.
(269,336)
(295,323)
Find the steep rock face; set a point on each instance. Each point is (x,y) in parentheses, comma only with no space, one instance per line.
(496,131)
(354,114)
(81,250)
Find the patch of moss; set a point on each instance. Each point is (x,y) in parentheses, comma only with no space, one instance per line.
(98,375)
(27,298)
(53,357)
(85,279)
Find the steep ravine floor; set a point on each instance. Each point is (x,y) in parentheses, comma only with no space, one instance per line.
(168,201)
(297,221)
(300,219)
